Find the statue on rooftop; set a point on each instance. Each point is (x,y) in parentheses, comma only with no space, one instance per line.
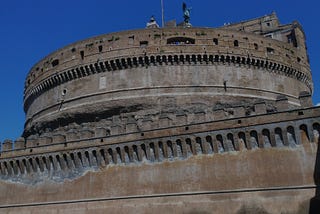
(186,13)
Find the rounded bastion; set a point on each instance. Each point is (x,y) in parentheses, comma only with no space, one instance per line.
(164,69)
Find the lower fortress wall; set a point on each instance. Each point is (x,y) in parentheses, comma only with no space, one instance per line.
(271,180)
(267,163)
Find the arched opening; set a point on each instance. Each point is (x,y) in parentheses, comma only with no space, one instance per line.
(170,149)
(143,151)
(87,158)
(152,152)
(179,148)
(220,145)
(242,141)
(199,146)
(304,134)
(103,156)
(266,138)
(127,157)
(316,132)
(119,156)
(135,153)
(189,146)
(292,140)
(254,139)
(110,156)
(162,153)
(278,137)
(210,149)
(230,142)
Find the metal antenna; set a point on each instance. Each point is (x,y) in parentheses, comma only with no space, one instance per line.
(162,13)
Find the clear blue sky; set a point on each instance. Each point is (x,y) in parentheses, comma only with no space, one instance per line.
(29,30)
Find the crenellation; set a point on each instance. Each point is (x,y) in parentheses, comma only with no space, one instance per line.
(219,114)
(72,135)
(7,145)
(305,99)
(86,133)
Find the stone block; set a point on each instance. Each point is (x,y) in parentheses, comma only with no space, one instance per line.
(115,129)
(219,114)
(164,121)
(86,133)
(131,127)
(181,119)
(147,123)
(305,99)
(72,135)
(58,138)
(282,103)
(260,108)
(20,143)
(239,111)
(199,117)
(7,145)
(32,141)
(100,132)
(45,140)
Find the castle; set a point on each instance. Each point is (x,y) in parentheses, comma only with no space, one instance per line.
(177,119)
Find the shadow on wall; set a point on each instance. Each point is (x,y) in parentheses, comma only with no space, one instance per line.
(315,201)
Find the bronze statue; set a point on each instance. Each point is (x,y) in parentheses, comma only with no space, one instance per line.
(186,12)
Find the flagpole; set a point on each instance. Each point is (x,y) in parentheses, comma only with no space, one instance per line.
(162,13)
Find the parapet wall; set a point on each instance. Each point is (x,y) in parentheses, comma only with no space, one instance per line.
(125,139)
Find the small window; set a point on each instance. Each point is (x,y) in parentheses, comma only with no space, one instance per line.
(270,50)
(73,50)
(100,48)
(268,24)
(64,92)
(215,41)
(236,43)
(55,62)
(82,54)
(131,40)
(144,43)
(255,46)
(298,59)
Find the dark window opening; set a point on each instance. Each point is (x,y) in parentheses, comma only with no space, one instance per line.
(180,41)
(131,40)
(82,54)
(215,41)
(55,62)
(236,43)
(298,59)
(291,38)
(270,50)
(100,48)
(144,43)
(256,46)
(73,50)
